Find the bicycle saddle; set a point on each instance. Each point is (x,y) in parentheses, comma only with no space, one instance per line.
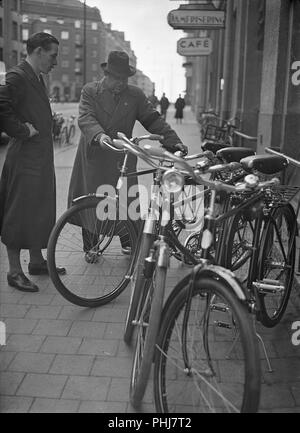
(234,154)
(266,164)
(213,147)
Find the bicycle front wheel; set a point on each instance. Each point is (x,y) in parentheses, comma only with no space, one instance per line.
(277,264)
(91,251)
(148,321)
(207,361)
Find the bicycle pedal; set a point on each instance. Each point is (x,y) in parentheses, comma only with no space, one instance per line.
(219,307)
(271,287)
(223,325)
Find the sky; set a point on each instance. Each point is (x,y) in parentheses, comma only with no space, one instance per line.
(154,42)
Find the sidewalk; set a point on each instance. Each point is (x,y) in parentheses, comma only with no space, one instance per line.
(63,358)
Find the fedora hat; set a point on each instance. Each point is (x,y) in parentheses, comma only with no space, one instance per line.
(118,64)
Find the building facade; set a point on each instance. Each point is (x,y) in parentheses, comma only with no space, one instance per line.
(10,32)
(253,73)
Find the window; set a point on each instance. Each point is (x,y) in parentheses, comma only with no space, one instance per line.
(15,31)
(77,24)
(25,19)
(94,26)
(65,78)
(65,50)
(1,54)
(1,27)
(14,57)
(65,35)
(43,19)
(94,67)
(65,64)
(25,34)
(14,5)
(1,3)
(95,40)
(94,53)
(60,21)
(48,31)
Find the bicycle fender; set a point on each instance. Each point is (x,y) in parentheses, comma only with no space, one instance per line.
(88,197)
(217,272)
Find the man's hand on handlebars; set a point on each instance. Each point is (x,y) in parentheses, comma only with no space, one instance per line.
(102,138)
(181,148)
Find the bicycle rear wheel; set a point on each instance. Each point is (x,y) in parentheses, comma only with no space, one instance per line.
(277,264)
(212,363)
(90,250)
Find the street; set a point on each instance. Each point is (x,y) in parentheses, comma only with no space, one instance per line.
(62,358)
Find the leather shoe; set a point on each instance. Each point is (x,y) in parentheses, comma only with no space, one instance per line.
(42,269)
(21,282)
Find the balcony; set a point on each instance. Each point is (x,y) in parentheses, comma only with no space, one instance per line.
(78,71)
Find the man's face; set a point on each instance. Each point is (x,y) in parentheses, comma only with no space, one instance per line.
(48,58)
(116,85)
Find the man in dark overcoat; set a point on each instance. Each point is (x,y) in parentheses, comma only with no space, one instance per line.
(107,107)
(27,184)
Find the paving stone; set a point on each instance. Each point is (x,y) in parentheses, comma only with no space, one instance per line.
(47,405)
(31,362)
(13,311)
(114,331)
(295,389)
(10,382)
(93,346)
(112,367)
(76,313)
(52,327)
(110,315)
(87,329)
(63,345)
(275,396)
(24,343)
(119,390)
(34,299)
(43,312)
(103,407)
(20,326)
(11,298)
(42,385)
(5,359)
(86,388)
(15,404)
(76,365)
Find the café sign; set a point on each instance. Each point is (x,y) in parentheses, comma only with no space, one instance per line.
(194,46)
(196,19)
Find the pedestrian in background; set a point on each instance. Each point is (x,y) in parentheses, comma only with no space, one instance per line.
(179,106)
(164,105)
(27,184)
(107,107)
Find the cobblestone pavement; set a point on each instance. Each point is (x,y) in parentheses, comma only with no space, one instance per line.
(63,358)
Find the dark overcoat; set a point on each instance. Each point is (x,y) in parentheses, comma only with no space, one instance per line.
(179,105)
(27,184)
(99,112)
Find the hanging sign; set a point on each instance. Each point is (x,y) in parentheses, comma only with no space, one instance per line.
(196,19)
(194,46)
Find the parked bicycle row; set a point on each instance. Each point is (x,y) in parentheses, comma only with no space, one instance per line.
(201,341)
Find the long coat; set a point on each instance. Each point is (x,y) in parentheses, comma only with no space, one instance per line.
(179,105)
(27,184)
(99,112)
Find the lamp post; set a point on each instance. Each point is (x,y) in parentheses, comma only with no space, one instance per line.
(84,42)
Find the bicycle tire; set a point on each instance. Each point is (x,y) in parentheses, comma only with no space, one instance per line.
(272,307)
(63,136)
(180,388)
(137,283)
(97,271)
(150,315)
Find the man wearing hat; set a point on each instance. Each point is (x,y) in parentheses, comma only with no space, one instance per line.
(107,107)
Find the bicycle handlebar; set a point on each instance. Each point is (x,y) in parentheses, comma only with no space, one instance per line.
(291,160)
(247,137)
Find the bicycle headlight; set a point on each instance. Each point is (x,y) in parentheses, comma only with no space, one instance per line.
(173,181)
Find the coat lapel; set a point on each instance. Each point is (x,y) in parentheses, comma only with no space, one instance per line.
(124,106)
(41,90)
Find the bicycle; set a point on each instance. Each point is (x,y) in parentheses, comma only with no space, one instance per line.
(68,131)
(150,301)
